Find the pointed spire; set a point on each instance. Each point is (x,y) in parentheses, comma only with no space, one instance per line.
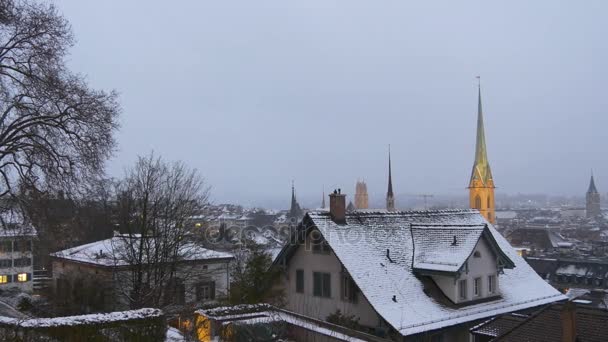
(481,168)
(293,193)
(323,200)
(390,198)
(390,178)
(592,189)
(295,210)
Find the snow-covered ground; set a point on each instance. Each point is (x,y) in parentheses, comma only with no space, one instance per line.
(173,335)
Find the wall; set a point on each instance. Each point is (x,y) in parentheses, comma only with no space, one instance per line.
(317,307)
(115,282)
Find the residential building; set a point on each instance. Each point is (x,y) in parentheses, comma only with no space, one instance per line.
(201,275)
(481,185)
(16,256)
(406,275)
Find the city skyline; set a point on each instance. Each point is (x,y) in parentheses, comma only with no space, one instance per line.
(267,93)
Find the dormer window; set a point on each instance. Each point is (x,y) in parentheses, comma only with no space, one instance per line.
(477,254)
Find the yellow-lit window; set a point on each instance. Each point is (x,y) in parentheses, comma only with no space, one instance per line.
(3,279)
(22,277)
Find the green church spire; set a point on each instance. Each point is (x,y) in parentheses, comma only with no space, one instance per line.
(481,168)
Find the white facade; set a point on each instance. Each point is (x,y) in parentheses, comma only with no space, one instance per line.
(16,262)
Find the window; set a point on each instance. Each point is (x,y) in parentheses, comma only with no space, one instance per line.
(6,246)
(300,281)
(462,289)
(23,277)
(488,206)
(349,288)
(22,262)
(477,287)
(175,292)
(477,254)
(477,202)
(321,284)
(319,245)
(4,263)
(205,291)
(491,283)
(4,279)
(23,246)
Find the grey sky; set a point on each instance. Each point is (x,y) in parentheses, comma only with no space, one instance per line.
(255,93)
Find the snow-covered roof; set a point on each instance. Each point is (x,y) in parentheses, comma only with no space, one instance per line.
(392,287)
(111,252)
(103,318)
(444,248)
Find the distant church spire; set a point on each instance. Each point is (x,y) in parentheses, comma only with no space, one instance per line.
(481,168)
(593,199)
(323,200)
(294,210)
(481,184)
(592,188)
(390,197)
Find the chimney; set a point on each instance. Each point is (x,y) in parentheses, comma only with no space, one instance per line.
(568,316)
(337,207)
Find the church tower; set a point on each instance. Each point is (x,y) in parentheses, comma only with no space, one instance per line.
(390,197)
(593,200)
(361,197)
(295,212)
(481,186)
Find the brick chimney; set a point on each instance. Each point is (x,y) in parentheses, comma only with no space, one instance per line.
(337,207)
(568,316)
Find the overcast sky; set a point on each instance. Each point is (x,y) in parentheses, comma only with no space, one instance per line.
(257,93)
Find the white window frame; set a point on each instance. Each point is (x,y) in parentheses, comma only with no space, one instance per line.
(477,287)
(462,289)
(492,283)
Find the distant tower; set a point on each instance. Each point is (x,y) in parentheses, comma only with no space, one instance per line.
(361,198)
(294,210)
(390,197)
(481,186)
(350,207)
(593,200)
(323,200)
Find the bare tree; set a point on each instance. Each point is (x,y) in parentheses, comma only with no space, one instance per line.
(55,131)
(155,202)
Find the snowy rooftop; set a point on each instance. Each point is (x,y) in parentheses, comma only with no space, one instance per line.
(361,246)
(111,252)
(444,248)
(103,318)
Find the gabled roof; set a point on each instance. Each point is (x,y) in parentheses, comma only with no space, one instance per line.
(446,248)
(392,287)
